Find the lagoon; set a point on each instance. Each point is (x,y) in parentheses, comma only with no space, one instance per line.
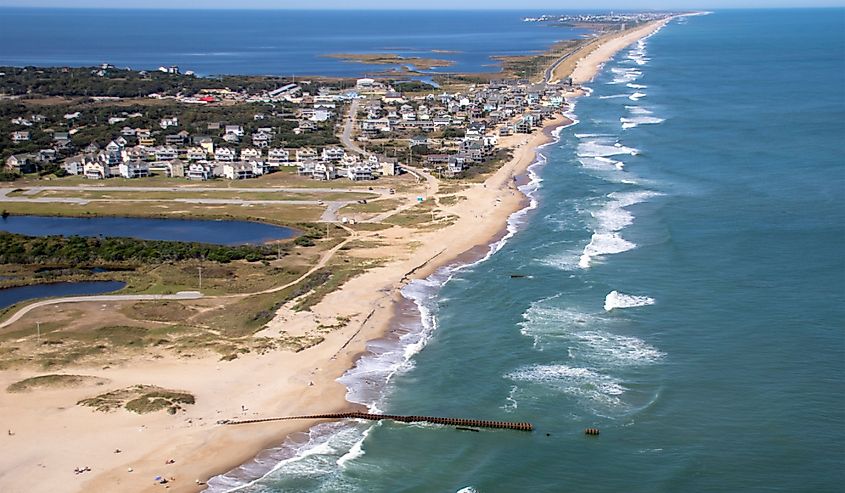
(193,230)
(10,296)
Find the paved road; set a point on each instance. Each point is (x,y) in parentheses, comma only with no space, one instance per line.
(550,70)
(182,295)
(348,126)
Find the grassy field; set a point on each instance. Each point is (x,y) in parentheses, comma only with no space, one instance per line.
(196,193)
(286,177)
(371,207)
(284,214)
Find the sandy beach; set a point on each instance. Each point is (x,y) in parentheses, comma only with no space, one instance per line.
(47,435)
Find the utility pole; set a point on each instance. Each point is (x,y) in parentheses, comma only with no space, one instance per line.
(38,331)
(200,276)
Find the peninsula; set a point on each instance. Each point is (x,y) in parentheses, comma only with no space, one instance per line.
(385,181)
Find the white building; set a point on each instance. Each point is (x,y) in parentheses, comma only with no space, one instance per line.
(198,171)
(134,169)
(170,121)
(224,154)
(238,171)
(359,172)
(196,154)
(278,156)
(96,171)
(251,154)
(333,153)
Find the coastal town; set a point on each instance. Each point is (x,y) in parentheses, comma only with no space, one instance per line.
(446,131)
(379,182)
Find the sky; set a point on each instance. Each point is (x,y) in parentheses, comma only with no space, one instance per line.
(550,5)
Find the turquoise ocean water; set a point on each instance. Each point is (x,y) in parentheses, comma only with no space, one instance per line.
(685,293)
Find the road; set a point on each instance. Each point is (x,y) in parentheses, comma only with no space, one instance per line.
(349,125)
(182,295)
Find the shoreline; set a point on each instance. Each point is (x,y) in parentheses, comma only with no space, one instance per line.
(251,386)
(489,246)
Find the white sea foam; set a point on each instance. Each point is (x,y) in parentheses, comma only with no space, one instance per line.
(615,300)
(356,451)
(511,403)
(614,96)
(640,120)
(575,381)
(588,337)
(637,96)
(604,244)
(624,75)
(601,163)
(636,86)
(598,148)
(638,110)
(312,456)
(467,489)
(610,349)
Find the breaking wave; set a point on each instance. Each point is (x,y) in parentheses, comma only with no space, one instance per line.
(615,300)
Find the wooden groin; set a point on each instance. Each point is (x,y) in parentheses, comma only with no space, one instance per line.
(476,423)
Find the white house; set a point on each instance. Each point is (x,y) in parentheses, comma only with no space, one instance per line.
(96,171)
(333,153)
(238,171)
(20,136)
(359,172)
(197,171)
(75,165)
(196,154)
(134,169)
(304,153)
(224,154)
(166,153)
(321,115)
(234,129)
(278,156)
(324,171)
(251,154)
(170,121)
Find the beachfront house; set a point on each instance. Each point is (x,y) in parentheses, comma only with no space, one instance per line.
(240,170)
(224,154)
(251,154)
(324,171)
(95,170)
(76,165)
(170,169)
(198,172)
(196,154)
(333,154)
(359,172)
(134,169)
(305,153)
(278,157)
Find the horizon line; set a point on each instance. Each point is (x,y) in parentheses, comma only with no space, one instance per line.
(415,9)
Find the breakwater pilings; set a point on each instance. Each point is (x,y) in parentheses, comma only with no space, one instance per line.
(476,423)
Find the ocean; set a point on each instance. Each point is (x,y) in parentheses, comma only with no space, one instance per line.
(267,42)
(684,294)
